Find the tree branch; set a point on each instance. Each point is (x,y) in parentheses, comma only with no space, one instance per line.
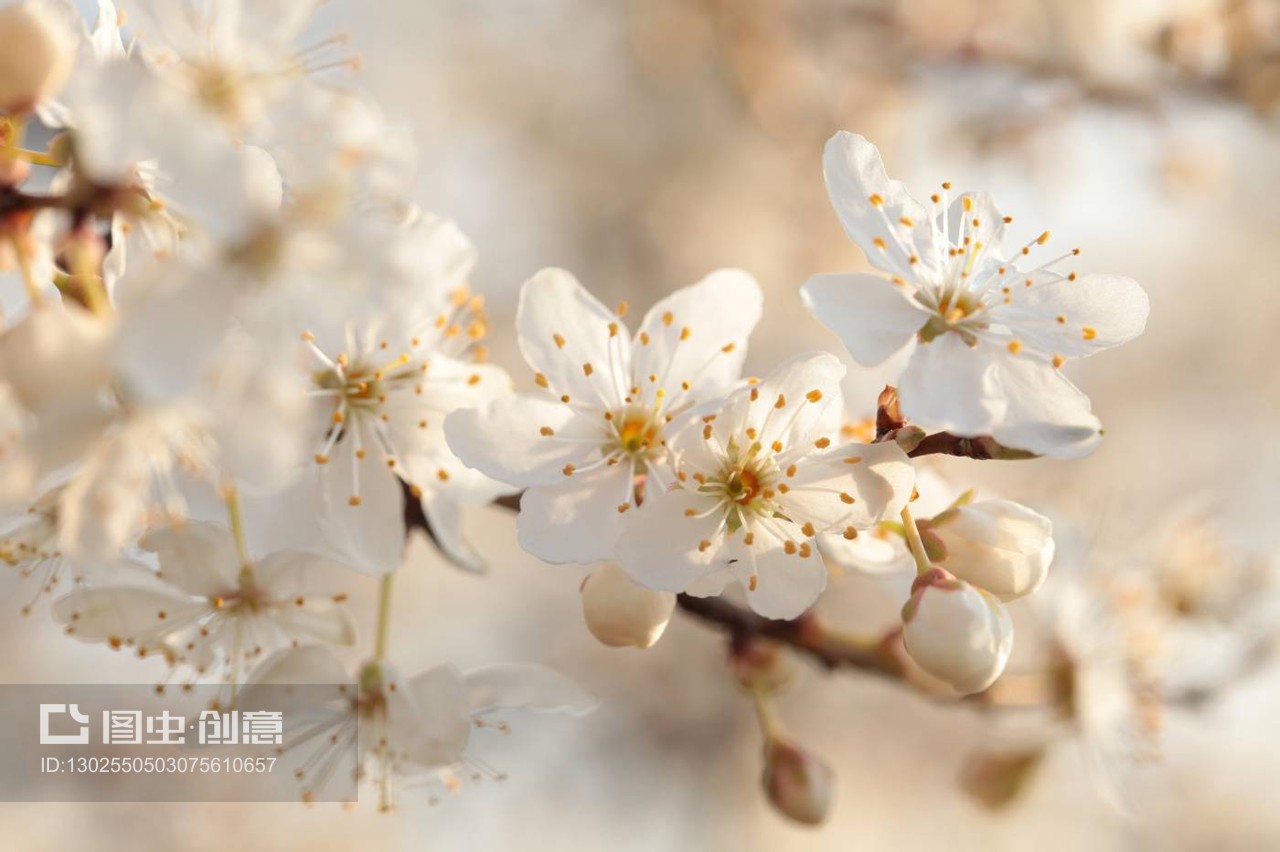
(804,634)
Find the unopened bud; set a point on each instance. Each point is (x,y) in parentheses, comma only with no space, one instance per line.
(55,353)
(997,545)
(799,785)
(956,632)
(36,54)
(621,613)
(996,779)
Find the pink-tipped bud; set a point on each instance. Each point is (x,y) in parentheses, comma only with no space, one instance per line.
(799,785)
(36,54)
(621,613)
(956,632)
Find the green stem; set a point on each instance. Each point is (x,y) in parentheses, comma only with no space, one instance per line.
(236,520)
(383,635)
(914,542)
(769,725)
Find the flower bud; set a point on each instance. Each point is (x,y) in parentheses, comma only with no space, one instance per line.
(621,613)
(956,632)
(55,353)
(36,54)
(997,545)
(799,785)
(996,779)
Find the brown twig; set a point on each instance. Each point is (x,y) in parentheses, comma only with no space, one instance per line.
(804,634)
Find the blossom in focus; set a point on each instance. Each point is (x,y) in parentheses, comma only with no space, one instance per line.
(756,480)
(208,608)
(408,729)
(600,418)
(621,613)
(956,632)
(988,336)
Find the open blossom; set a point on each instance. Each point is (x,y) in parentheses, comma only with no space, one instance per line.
(206,607)
(601,417)
(756,481)
(235,57)
(380,391)
(407,730)
(1103,650)
(989,336)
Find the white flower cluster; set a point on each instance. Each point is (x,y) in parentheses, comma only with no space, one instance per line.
(228,346)
(214,295)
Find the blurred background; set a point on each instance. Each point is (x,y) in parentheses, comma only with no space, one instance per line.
(644,143)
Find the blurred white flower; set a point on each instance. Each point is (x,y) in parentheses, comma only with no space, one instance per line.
(1102,646)
(380,393)
(394,730)
(234,57)
(956,632)
(756,481)
(601,419)
(208,608)
(988,337)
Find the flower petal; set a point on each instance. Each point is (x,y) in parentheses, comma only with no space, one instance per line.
(873,208)
(873,317)
(1044,413)
(577,343)
(123,614)
(851,486)
(363,505)
(948,385)
(523,686)
(198,558)
(430,720)
(576,519)
(1077,318)
(660,546)
(523,439)
(786,584)
(444,516)
(698,335)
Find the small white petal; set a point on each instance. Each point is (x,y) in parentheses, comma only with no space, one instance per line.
(523,686)
(873,317)
(577,518)
(998,545)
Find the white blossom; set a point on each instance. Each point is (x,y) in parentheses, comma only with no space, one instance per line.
(988,336)
(394,730)
(600,418)
(755,482)
(206,607)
